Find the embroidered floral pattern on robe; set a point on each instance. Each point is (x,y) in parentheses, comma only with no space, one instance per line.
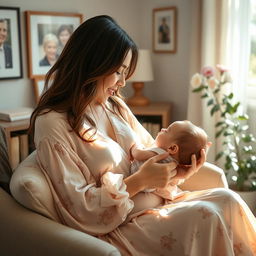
(86,181)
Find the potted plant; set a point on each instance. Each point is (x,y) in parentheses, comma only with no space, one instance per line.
(232,127)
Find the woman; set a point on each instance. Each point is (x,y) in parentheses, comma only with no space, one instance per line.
(83,133)
(50,44)
(63,34)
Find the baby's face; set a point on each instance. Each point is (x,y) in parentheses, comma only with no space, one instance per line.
(167,135)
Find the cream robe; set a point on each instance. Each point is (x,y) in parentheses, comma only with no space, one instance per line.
(86,180)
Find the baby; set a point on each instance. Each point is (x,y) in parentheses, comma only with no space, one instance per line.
(181,140)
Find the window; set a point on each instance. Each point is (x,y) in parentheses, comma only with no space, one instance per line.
(252,67)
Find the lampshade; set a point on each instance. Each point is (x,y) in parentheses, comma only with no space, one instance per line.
(143,73)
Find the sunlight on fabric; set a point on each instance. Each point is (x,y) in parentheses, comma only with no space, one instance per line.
(237,4)
(163,212)
(111,148)
(99,144)
(167,212)
(88,134)
(116,179)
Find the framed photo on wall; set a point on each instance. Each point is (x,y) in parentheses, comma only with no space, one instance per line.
(165,30)
(47,34)
(10,43)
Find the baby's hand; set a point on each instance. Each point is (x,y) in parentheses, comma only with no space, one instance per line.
(133,151)
(140,154)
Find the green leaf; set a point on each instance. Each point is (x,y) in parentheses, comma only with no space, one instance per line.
(204,95)
(219,155)
(219,123)
(236,107)
(230,96)
(210,102)
(227,166)
(248,138)
(229,108)
(223,114)
(215,109)
(198,89)
(218,133)
(240,182)
(243,117)
(228,132)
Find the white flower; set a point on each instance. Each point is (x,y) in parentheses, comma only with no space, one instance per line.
(196,80)
(226,77)
(212,82)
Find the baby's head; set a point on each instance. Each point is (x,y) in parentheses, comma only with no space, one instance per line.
(182,139)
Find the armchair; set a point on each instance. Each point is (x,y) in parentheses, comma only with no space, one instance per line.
(29,219)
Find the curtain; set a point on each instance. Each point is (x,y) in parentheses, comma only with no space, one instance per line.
(238,46)
(220,35)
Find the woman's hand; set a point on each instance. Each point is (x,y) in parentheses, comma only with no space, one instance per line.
(151,175)
(157,175)
(185,173)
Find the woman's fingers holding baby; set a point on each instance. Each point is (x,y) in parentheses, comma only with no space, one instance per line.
(185,173)
(157,175)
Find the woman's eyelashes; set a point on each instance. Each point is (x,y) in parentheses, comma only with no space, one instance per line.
(122,72)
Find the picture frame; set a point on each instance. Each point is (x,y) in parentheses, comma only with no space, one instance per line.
(38,84)
(165,30)
(11,63)
(43,29)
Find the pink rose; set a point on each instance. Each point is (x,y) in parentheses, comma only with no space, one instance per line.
(207,71)
(222,68)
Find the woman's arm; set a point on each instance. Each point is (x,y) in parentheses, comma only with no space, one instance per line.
(151,175)
(158,175)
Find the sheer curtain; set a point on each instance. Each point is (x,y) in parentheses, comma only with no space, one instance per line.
(220,35)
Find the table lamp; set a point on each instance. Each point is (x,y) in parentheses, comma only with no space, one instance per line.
(143,73)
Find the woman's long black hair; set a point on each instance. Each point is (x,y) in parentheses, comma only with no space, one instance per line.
(96,49)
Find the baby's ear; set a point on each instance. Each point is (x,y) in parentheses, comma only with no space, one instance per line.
(173,149)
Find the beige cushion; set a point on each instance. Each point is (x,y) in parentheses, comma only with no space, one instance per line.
(30,188)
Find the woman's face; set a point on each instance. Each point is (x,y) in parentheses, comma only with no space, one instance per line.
(109,85)
(50,50)
(64,36)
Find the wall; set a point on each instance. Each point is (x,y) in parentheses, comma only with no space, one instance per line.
(171,70)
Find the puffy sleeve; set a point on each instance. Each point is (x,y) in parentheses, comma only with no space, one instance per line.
(82,203)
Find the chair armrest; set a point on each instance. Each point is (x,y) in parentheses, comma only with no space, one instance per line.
(24,232)
(208,176)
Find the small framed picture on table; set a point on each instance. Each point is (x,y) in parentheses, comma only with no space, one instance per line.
(38,84)
(165,30)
